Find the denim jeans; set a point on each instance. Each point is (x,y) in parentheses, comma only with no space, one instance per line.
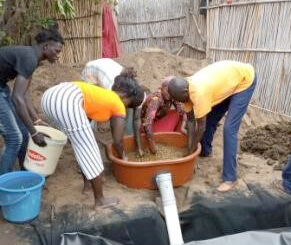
(286,175)
(235,106)
(14,132)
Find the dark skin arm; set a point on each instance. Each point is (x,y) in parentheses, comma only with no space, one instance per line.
(30,108)
(117,125)
(196,129)
(182,114)
(136,129)
(150,116)
(18,98)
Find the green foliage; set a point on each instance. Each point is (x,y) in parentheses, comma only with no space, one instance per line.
(66,8)
(4,39)
(1,6)
(47,22)
(30,20)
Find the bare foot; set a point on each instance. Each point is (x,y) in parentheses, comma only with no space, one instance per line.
(106,202)
(227,186)
(87,188)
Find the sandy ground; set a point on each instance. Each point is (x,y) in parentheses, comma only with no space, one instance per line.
(65,186)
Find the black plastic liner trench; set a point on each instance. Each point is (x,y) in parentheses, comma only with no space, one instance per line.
(207,218)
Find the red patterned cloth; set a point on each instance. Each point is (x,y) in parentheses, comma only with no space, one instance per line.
(155,108)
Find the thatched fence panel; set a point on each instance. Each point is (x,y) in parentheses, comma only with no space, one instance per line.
(82,33)
(175,26)
(257,32)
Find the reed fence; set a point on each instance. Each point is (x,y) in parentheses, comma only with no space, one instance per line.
(257,32)
(175,26)
(82,33)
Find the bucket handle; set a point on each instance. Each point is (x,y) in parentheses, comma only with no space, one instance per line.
(15,201)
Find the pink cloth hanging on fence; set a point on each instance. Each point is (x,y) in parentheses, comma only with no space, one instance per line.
(110,42)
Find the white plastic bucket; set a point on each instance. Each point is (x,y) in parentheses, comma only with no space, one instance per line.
(44,160)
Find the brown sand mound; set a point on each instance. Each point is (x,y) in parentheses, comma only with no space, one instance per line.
(154,64)
(49,75)
(271,141)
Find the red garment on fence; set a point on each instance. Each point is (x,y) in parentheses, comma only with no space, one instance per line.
(110,42)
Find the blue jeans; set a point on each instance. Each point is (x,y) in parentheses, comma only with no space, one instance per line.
(14,132)
(286,175)
(235,106)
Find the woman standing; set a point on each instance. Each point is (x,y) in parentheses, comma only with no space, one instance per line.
(69,105)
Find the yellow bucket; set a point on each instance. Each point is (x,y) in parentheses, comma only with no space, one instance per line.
(44,160)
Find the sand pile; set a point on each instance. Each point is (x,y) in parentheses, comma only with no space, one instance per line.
(49,75)
(271,142)
(154,64)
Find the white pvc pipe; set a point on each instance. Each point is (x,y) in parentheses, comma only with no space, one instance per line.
(164,182)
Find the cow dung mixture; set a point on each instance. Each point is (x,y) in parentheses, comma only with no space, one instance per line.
(165,152)
(273,142)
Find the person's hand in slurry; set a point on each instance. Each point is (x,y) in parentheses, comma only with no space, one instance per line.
(152,146)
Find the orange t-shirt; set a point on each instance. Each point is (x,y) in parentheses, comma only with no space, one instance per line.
(100,104)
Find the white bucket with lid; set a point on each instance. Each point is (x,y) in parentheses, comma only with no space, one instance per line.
(44,160)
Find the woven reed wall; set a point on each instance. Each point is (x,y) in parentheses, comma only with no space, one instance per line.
(175,26)
(257,32)
(82,34)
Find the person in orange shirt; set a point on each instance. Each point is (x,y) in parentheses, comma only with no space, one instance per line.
(224,86)
(106,73)
(69,105)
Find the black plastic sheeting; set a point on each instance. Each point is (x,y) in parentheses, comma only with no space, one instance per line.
(81,238)
(279,237)
(207,218)
(143,227)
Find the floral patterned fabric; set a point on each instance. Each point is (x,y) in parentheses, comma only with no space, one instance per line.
(154,108)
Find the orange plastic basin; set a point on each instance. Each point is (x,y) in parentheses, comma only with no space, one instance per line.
(141,174)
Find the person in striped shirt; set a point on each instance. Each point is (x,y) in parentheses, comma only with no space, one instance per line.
(69,106)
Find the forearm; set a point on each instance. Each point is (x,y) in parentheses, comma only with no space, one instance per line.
(149,118)
(23,113)
(136,131)
(30,108)
(191,135)
(148,128)
(196,139)
(151,139)
(119,148)
(117,128)
(198,129)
